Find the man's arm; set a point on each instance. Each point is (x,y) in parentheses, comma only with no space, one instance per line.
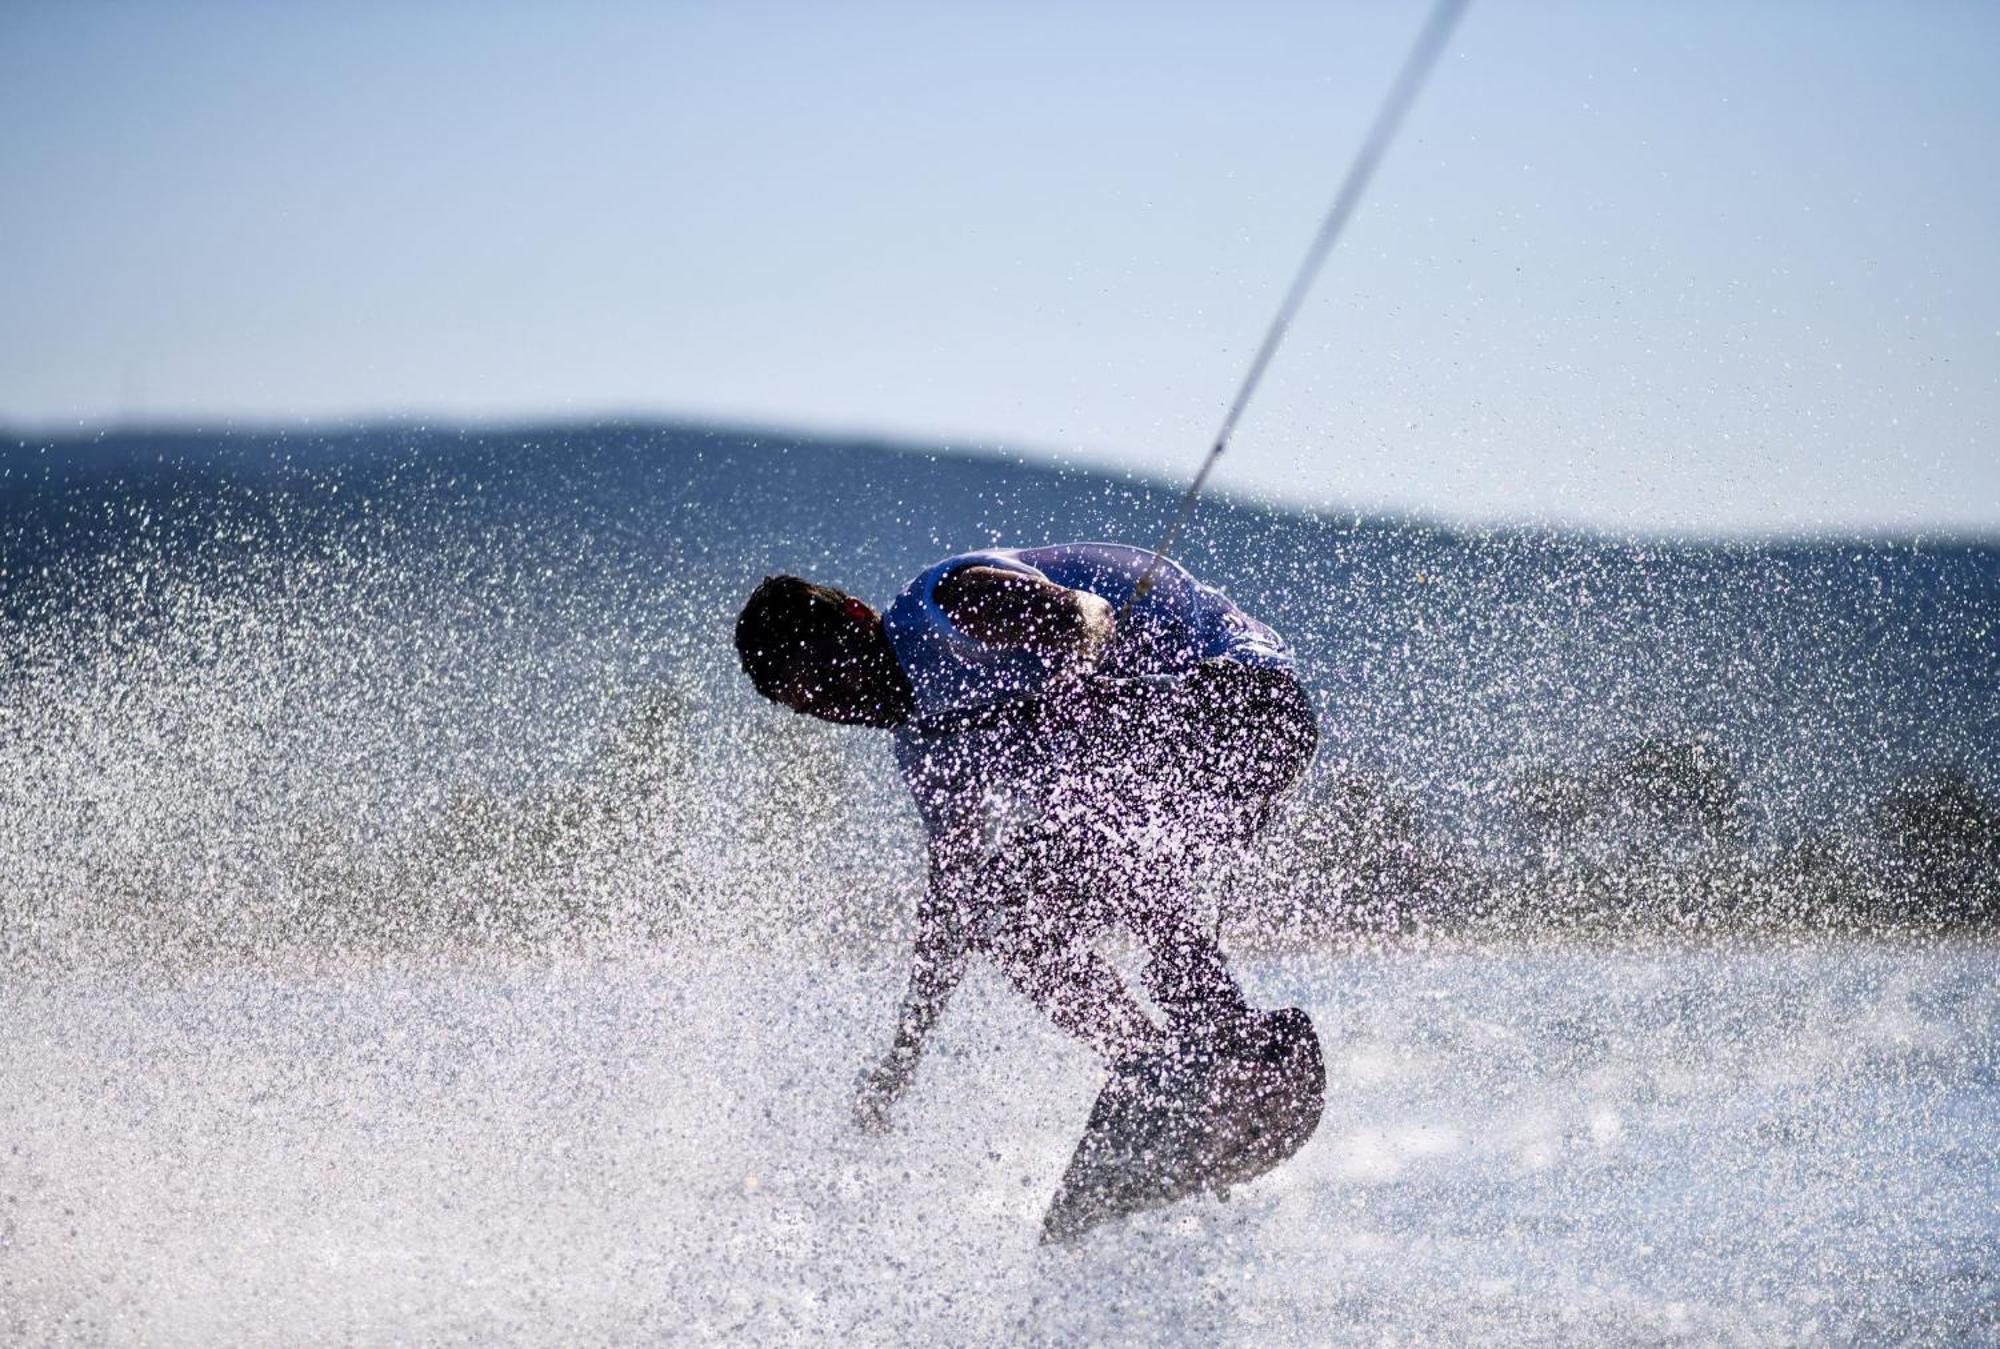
(1005,608)
(937,967)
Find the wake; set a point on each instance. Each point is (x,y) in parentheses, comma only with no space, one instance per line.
(1525,1147)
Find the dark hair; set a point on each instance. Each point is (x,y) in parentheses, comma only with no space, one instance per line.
(787,619)
(793,631)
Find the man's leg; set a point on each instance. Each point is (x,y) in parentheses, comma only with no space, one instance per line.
(1081,992)
(1245,737)
(1188,979)
(1128,829)
(1217,755)
(1038,910)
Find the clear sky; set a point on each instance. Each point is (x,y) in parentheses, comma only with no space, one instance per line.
(1668,267)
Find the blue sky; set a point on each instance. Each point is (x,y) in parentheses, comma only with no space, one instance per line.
(1672,267)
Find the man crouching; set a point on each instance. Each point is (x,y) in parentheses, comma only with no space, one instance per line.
(1078,757)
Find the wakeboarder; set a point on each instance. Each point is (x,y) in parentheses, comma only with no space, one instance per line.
(1082,748)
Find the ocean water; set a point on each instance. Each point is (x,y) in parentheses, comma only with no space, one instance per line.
(411,929)
(1783,1146)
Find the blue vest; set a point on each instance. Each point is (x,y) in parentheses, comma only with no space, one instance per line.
(1178,624)
(963,769)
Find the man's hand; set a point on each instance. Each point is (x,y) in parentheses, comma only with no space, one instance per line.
(1100,628)
(937,963)
(879,1089)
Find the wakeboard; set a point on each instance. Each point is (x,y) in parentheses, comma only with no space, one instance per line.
(1191,1119)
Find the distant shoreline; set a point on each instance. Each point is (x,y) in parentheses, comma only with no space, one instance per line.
(184,432)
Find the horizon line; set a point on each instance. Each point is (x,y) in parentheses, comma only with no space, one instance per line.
(967,449)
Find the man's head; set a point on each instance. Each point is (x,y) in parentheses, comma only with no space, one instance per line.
(822,652)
